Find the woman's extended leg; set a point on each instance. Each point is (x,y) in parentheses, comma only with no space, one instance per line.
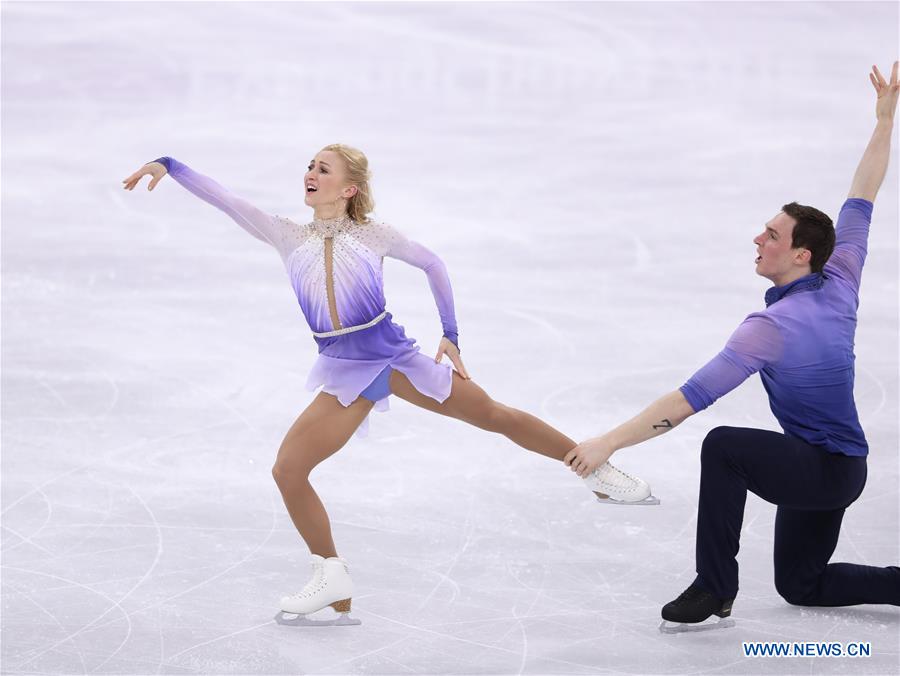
(320,431)
(471,404)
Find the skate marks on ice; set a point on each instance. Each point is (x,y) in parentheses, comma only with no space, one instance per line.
(667,627)
(216,528)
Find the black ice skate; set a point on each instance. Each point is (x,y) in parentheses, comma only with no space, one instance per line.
(690,610)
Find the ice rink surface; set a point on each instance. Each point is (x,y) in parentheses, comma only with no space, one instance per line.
(592,175)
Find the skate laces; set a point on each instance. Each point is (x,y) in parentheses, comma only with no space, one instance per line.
(690,595)
(609,473)
(315,583)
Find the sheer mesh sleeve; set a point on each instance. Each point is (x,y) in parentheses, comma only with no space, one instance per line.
(850,248)
(755,344)
(396,245)
(262,226)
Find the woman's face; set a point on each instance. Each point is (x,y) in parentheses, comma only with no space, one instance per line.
(325,181)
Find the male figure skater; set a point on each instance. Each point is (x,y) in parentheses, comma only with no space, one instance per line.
(802,346)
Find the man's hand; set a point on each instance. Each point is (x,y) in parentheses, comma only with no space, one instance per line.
(887,93)
(873,165)
(589,455)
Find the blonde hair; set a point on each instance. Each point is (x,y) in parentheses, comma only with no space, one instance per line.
(361,204)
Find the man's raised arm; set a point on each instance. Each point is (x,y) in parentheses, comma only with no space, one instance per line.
(874,162)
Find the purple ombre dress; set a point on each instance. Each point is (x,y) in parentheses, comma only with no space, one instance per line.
(359,362)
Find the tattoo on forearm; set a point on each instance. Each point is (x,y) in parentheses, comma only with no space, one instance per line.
(664,425)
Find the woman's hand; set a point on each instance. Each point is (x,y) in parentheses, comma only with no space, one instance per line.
(155,169)
(448,348)
(589,455)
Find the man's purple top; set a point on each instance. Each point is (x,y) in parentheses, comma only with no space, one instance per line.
(802,345)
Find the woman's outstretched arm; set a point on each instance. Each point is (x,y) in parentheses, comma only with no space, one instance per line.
(261,225)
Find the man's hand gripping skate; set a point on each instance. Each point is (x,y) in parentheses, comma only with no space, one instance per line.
(589,455)
(608,483)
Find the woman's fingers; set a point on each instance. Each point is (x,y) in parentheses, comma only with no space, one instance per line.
(135,178)
(454,359)
(875,83)
(457,362)
(894,73)
(447,348)
(881,81)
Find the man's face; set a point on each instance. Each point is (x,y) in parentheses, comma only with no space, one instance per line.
(777,261)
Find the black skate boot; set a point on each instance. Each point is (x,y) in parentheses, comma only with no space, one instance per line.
(692,607)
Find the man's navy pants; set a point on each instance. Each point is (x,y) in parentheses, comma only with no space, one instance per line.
(811,487)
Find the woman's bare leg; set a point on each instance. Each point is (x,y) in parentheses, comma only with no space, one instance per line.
(320,431)
(469,403)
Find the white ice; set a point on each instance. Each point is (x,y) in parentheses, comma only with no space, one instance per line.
(592,174)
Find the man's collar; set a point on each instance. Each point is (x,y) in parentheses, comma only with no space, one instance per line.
(810,282)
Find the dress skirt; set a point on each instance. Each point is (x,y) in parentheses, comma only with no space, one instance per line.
(348,364)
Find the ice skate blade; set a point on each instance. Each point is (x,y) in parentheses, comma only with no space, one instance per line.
(667,627)
(649,500)
(294,620)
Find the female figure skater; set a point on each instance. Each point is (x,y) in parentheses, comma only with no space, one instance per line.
(335,266)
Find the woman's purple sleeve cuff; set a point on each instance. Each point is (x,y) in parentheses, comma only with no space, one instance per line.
(165,161)
(452,337)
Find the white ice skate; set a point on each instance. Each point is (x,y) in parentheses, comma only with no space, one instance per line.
(612,485)
(330,585)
